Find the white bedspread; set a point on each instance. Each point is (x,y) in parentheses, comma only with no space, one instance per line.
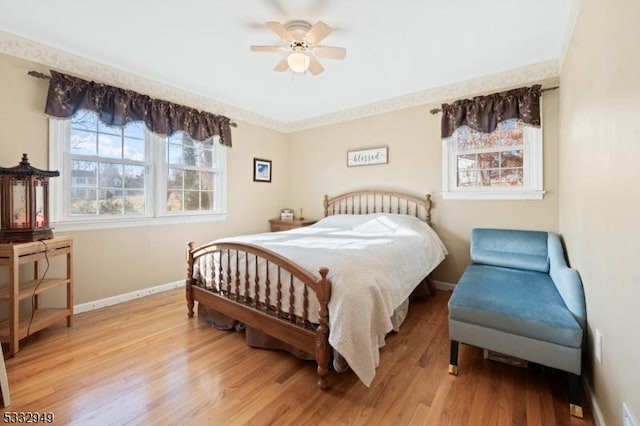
(375,261)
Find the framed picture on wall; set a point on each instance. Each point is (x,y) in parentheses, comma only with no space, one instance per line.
(368,156)
(261,170)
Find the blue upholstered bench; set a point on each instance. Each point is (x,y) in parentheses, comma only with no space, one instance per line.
(519,298)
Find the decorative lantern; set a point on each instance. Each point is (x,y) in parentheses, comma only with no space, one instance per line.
(24,203)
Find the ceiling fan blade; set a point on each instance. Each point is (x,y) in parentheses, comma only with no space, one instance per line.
(317,33)
(281,31)
(315,67)
(330,52)
(283,65)
(267,48)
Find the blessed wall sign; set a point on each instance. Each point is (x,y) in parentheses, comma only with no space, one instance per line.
(367,157)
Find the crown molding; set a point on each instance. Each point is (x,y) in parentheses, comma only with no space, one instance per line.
(87,68)
(499,81)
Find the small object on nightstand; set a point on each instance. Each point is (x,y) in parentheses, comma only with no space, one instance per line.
(285,225)
(286,214)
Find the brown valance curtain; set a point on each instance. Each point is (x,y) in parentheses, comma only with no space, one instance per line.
(483,113)
(117,107)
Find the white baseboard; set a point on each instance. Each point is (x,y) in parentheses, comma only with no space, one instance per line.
(121,298)
(598,418)
(441,285)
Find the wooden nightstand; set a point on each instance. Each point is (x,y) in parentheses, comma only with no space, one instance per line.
(284,225)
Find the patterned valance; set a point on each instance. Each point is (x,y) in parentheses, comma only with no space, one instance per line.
(117,107)
(483,113)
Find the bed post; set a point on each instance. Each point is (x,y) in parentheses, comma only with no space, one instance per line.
(189,282)
(326,205)
(428,207)
(323,350)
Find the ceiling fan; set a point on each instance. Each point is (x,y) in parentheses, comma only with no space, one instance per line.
(303,47)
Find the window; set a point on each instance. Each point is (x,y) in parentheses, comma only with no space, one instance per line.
(114,176)
(503,164)
(190,175)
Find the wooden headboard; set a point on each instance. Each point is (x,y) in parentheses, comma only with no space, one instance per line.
(379,201)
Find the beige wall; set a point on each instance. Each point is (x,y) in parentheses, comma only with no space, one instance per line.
(110,262)
(318,166)
(599,176)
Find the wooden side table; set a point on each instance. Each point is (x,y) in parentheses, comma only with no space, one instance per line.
(18,326)
(285,225)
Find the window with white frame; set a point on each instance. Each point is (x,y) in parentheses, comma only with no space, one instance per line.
(126,175)
(503,164)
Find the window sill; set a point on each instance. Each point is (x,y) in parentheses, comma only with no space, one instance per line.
(496,195)
(86,225)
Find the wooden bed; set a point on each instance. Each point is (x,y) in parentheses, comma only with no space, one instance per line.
(247,269)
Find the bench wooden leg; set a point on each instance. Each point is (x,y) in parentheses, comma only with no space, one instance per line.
(453,358)
(575,395)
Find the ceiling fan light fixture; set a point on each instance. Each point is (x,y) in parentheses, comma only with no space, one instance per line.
(298,62)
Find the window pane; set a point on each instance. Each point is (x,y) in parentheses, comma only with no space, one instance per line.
(206,180)
(84,120)
(110,201)
(110,175)
(512,159)
(204,156)
(83,201)
(512,177)
(191,180)
(109,146)
(485,177)
(175,178)
(189,153)
(103,128)
(207,200)
(135,130)
(467,161)
(134,202)
(83,173)
(133,149)
(174,154)
(467,178)
(174,201)
(192,200)
(489,160)
(134,176)
(82,142)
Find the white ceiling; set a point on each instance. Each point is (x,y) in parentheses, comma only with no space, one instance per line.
(394,48)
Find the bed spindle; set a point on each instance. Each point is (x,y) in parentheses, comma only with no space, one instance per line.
(218,288)
(292,299)
(360,204)
(267,290)
(305,305)
(279,294)
(228,289)
(256,287)
(246,278)
(237,276)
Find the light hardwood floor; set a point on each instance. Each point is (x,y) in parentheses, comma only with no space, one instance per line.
(145,362)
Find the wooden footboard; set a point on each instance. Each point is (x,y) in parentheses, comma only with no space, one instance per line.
(266,291)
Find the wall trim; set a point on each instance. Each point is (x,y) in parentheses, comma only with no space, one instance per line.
(598,418)
(126,297)
(87,68)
